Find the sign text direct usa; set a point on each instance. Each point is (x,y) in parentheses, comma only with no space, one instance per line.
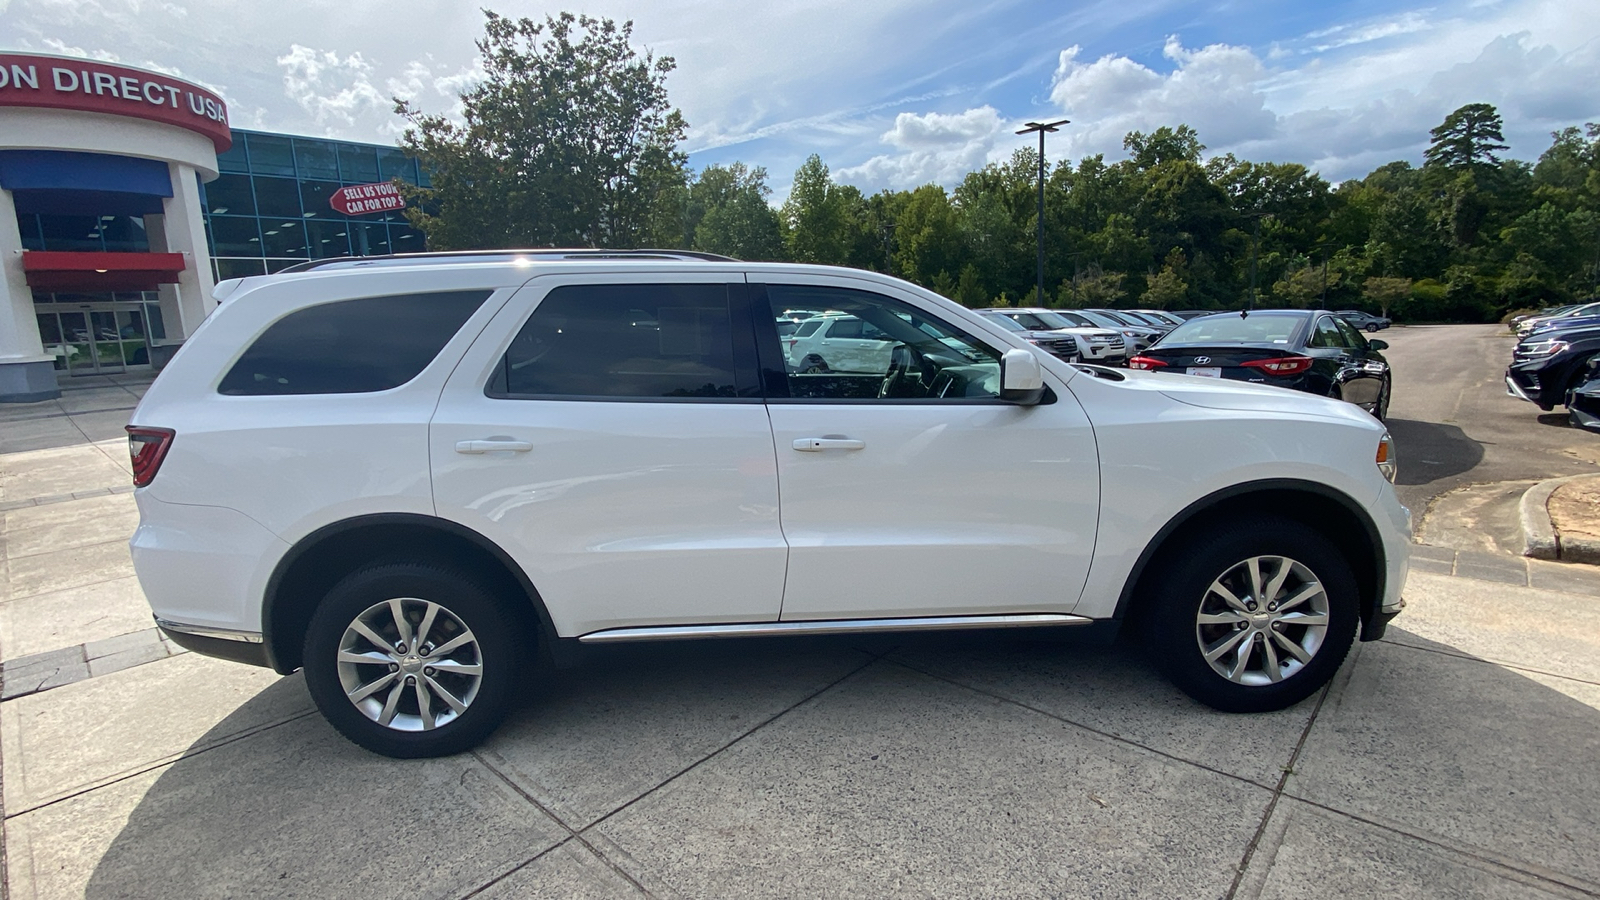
(124,87)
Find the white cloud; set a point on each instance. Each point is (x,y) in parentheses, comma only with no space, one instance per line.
(330,88)
(938,147)
(1214,90)
(1349,35)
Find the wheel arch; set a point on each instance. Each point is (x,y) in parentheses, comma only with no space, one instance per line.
(1327,510)
(317,561)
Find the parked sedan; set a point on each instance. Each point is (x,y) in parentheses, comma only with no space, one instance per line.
(1365,321)
(1306,350)
(1547,366)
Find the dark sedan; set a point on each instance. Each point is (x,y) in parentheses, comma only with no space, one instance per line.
(1306,350)
(1546,366)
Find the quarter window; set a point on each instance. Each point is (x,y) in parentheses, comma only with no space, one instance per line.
(645,342)
(1326,335)
(871,347)
(351,346)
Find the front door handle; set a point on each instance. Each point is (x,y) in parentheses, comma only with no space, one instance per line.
(812,445)
(491,446)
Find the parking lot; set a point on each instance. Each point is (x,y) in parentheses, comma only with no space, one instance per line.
(1456,757)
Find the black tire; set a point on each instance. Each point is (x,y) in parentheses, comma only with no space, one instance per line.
(1372,327)
(1175,598)
(497,645)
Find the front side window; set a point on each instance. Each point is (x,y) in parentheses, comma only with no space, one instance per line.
(877,348)
(351,346)
(624,342)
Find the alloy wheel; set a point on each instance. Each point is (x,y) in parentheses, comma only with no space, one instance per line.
(409,664)
(1262,620)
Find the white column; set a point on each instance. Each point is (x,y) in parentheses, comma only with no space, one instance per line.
(26,373)
(182,229)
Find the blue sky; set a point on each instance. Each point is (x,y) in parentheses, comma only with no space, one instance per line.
(894,93)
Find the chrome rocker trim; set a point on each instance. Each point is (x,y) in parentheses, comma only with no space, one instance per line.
(221,634)
(828,626)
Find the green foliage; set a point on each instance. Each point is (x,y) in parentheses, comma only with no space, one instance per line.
(728,213)
(568,141)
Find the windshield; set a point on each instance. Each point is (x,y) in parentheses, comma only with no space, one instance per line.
(1099,320)
(1004,321)
(1231,329)
(1121,318)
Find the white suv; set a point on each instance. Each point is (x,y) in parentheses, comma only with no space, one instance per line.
(414,476)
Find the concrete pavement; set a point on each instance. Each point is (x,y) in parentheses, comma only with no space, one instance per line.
(1457,757)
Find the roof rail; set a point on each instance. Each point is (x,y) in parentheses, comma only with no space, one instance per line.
(547,253)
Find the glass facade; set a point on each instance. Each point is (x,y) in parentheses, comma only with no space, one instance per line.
(269,209)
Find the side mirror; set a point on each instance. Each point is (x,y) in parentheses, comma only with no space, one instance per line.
(1378,345)
(1021,378)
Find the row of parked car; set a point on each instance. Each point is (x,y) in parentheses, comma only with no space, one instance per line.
(1315,351)
(1557,361)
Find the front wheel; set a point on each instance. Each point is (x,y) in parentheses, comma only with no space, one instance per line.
(412,660)
(1253,616)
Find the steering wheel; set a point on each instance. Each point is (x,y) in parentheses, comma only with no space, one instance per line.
(897,379)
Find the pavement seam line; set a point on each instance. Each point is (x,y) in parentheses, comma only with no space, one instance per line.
(572,834)
(1076,724)
(165,761)
(1272,805)
(1445,847)
(753,729)
(518,867)
(1491,662)
(121,540)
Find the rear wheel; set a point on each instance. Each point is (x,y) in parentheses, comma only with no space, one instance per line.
(412,660)
(1253,616)
(1372,327)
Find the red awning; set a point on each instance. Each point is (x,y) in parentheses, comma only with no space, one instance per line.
(56,270)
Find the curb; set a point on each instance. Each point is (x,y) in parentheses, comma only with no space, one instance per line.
(1539,535)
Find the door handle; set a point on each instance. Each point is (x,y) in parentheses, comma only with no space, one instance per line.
(812,445)
(491,446)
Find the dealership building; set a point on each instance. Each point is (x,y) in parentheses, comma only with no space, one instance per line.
(125,195)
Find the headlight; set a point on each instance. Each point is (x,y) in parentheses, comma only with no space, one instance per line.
(1388,463)
(1538,349)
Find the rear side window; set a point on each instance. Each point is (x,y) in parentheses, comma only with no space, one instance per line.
(351,346)
(626,341)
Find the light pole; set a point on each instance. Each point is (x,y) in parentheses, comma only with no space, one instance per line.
(1042,128)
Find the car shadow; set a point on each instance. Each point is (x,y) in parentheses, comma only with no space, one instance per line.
(294,810)
(1556,420)
(1430,451)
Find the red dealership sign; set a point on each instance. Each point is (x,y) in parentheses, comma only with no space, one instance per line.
(57,82)
(360,199)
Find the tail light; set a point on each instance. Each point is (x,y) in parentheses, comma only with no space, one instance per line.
(148,447)
(1146,362)
(1281,365)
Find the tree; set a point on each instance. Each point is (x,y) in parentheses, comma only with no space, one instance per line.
(729,204)
(1091,288)
(1163,145)
(1168,289)
(1303,287)
(815,217)
(1388,293)
(567,141)
(1468,137)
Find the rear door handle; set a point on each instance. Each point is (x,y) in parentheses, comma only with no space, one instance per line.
(812,445)
(491,446)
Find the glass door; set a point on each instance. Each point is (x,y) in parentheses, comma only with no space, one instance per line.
(78,343)
(107,342)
